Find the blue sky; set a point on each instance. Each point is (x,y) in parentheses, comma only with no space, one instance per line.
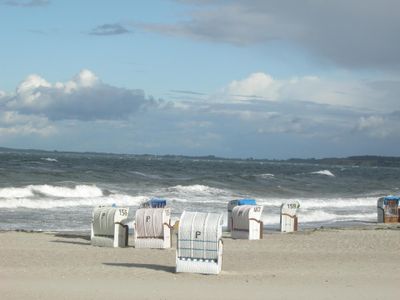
(258,78)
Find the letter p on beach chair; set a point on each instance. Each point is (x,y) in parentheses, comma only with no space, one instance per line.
(199,246)
(108,227)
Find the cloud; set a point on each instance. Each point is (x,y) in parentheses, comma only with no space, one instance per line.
(354,34)
(85,97)
(278,118)
(356,94)
(109,29)
(26,3)
(14,123)
(380,126)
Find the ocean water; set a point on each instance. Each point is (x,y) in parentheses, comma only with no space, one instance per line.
(57,191)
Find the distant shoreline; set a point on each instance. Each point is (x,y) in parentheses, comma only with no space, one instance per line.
(359,160)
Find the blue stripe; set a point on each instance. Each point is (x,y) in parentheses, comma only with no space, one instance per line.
(186,240)
(196,249)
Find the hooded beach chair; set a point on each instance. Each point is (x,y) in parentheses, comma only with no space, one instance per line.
(246,222)
(108,227)
(199,244)
(388,209)
(288,219)
(152,228)
(239,202)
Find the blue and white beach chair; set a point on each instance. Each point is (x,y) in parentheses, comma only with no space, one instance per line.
(199,245)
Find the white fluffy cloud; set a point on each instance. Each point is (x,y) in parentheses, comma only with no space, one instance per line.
(345,93)
(84,97)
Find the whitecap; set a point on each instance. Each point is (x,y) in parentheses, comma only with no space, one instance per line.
(324,172)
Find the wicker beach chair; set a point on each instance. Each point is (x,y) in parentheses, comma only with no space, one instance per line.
(152,228)
(238,202)
(108,228)
(199,246)
(246,222)
(288,217)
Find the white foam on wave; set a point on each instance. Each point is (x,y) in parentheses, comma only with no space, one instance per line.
(196,189)
(49,159)
(118,199)
(79,191)
(15,192)
(324,172)
(266,175)
(323,203)
(319,216)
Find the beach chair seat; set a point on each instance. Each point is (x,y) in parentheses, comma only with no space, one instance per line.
(152,228)
(246,222)
(108,228)
(388,209)
(238,202)
(288,216)
(199,245)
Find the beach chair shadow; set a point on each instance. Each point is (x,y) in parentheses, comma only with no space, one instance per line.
(73,236)
(72,242)
(155,267)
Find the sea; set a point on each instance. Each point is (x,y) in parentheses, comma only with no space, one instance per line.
(57,191)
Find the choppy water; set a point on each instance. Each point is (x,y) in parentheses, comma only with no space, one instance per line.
(57,191)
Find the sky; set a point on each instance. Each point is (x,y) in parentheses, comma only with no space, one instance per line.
(269,79)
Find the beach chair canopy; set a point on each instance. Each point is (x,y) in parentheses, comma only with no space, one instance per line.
(391,199)
(155,203)
(199,235)
(238,202)
(290,207)
(242,214)
(104,220)
(150,222)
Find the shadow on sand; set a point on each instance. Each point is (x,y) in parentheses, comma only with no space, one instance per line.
(143,266)
(72,242)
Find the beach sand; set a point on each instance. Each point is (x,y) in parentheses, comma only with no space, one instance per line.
(352,263)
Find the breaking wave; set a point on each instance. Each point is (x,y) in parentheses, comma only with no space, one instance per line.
(324,172)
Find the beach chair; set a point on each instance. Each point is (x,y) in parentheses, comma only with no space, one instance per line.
(388,209)
(233,203)
(108,227)
(152,228)
(288,219)
(246,222)
(199,244)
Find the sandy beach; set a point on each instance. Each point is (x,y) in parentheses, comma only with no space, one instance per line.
(352,263)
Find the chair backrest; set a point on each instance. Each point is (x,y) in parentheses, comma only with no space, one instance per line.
(150,222)
(290,208)
(199,235)
(242,214)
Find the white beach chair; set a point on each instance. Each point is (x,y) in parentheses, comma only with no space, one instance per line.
(246,222)
(239,202)
(388,209)
(199,246)
(288,219)
(108,227)
(152,228)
